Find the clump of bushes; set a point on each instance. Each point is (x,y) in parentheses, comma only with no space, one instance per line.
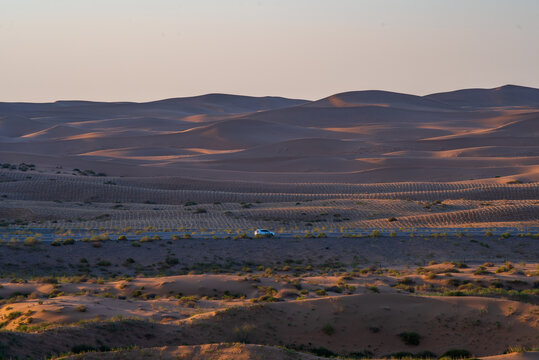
(69,241)
(410,338)
(505,268)
(328,329)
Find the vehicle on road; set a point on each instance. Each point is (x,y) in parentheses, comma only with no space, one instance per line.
(264,233)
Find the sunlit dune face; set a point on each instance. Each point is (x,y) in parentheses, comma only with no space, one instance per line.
(340,103)
(211,151)
(90,135)
(335,101)
(35,134)
(196,118)
(374,161)
(357,130)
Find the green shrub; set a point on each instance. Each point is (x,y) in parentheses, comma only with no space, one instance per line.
(328,329)
(410,338)
(31,241)
(457,354)
(69,241)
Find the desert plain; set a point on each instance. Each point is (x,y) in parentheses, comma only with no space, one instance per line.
(405,227)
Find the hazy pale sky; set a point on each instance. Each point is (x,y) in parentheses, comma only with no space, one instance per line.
(151,49)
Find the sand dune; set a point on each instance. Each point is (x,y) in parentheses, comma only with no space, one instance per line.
(379,99)
(366,136)
(508,95)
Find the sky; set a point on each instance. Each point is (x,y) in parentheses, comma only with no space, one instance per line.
(141,50)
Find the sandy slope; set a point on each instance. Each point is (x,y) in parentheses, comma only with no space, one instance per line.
(237,351)
(203,352)
(359,323)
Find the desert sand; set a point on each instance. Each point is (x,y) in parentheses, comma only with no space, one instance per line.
(407,227)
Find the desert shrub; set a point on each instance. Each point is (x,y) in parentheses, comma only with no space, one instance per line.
(81,308)
(145,239)
(406,281)
(373,288)
(402,355)
(175,237)
(103,263)
(82,348)
(13,315)
(328,329)
(56,242)
(69,241)
(48,280)
(391,219)
(322,351)
(200,211)
(410,338)
(392,234)
(456,354)
(336,289)
(189,203)
(172,260)
(320,292)
(321,235)
(243,333)
(240,236)
(505,267)
(187,236)
(481,270)
(30,241)
(376,233)
(122,238)
(425,355)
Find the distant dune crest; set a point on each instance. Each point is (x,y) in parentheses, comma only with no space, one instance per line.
(359,136)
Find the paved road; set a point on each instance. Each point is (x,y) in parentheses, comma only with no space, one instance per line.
(50,234)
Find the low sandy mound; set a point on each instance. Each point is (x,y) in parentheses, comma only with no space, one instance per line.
(532,355)
(358,323)
(508,95)
(235,351)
